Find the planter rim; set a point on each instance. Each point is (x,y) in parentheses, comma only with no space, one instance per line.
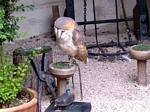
(139,55)
(33,101)
(60,72)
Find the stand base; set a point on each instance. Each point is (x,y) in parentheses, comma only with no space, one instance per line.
(74,107)
(142,76)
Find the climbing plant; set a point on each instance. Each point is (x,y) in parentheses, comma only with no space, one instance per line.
(8,23)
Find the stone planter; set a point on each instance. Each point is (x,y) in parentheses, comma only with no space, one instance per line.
(141,56)
(62,75)
(31,106)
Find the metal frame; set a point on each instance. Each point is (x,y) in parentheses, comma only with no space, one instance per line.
(71,13)
(40,70)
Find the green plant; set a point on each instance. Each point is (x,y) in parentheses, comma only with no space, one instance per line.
(62,65)
(11,77)
(11,81)
(142,47)
(9,23)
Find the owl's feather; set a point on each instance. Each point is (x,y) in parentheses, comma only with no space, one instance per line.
(69,39)
(82,53)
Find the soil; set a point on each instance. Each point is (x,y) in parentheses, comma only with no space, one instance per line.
(109,84)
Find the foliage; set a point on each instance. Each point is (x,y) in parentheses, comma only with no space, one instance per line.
(9,23)
(142,47)
(62,65)
(11,77)
(11,81)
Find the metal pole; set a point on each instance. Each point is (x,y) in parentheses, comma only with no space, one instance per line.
(104,21)
(126,22)
(70,9)
(95,25)
(85,13)
(117,23)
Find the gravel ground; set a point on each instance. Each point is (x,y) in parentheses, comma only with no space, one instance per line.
(110,86)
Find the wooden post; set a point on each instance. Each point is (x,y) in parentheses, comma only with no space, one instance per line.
(55,11)
(142,76)
(17,59)
(19,56)
(61,86)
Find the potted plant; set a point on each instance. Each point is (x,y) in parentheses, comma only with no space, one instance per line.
(13,96)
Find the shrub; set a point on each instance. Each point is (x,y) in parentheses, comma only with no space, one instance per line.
(11,81)
(11,77)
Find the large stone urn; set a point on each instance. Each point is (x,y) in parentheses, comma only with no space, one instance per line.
(141,53)
(62,71)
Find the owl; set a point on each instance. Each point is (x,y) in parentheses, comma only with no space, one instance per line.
(69,38)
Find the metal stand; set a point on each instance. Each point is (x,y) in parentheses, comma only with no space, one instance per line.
(64,102)
(74,107)
(43,78)
(39,69)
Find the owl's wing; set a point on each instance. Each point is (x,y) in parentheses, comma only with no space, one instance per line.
(82,53)
(77,37)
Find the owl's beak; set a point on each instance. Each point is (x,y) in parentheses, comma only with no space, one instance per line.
(61,33)
(56,31)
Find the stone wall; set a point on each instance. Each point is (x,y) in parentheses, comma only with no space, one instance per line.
(38,21)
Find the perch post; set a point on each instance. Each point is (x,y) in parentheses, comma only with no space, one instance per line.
(62,75)
(61,86)
(141,53)
(142,76)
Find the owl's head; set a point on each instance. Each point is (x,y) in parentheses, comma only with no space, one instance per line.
(64,27)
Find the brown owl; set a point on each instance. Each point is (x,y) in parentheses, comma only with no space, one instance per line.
(69,38)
